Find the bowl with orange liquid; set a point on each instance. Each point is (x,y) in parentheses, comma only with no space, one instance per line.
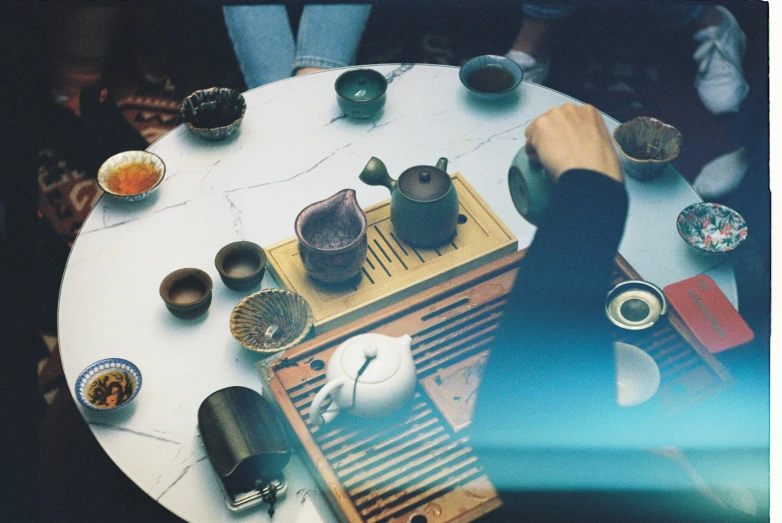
(131,176)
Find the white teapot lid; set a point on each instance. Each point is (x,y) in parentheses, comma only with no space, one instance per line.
(381,351)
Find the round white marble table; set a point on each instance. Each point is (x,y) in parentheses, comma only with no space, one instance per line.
(295,147)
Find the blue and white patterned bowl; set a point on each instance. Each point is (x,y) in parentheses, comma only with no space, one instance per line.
(126,158)
(511,71)
(711,228)
(108,384)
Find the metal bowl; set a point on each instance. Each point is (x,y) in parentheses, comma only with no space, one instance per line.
(271,320)
(490,77)
(711,228)
(119,161)
(108,384)
(213,114)
(635,304)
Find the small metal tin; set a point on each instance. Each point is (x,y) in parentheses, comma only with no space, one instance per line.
(635,304)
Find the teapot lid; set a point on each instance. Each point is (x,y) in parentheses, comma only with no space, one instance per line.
(384,358)
(424,183)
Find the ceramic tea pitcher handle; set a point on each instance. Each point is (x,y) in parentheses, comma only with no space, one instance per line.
(315,415)
(376,173)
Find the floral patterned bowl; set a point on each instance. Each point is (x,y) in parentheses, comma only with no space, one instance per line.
(711,227)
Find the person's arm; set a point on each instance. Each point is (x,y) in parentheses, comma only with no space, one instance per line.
(549,385)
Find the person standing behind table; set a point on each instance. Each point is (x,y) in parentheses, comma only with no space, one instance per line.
(328,37)
(546,425)
(719,79)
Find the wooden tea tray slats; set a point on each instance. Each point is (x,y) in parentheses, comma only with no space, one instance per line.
(418,462)
(393,268)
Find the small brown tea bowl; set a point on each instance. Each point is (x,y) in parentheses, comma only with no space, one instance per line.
(213,114)
(187,292)
(241,265)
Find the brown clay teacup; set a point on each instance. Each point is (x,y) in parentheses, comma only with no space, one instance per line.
(647,146)
(187,292)
(241,265)
(332,237)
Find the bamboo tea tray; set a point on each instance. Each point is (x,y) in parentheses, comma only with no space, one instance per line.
(394,269)
(419,462)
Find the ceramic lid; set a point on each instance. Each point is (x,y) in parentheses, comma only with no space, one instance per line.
(383,352)
(424,183)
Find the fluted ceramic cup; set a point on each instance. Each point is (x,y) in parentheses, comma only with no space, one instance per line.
(646,146)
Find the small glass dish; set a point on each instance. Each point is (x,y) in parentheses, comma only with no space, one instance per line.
(108,384)
(132,175)
(271,320)
(711,228)
(213,114)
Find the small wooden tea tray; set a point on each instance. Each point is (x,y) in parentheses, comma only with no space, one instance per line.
(394,269)
(419,462)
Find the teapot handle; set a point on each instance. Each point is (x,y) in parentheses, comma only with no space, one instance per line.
(375,173)
(323,393)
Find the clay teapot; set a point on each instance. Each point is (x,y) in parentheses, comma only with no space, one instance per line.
(424,202)
(530,187)
(369,375)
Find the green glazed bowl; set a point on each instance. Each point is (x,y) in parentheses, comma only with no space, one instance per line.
(361,92)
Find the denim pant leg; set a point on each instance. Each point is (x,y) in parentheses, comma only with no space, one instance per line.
(329,34)
(262,40)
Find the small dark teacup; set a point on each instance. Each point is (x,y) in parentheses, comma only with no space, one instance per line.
(187,292)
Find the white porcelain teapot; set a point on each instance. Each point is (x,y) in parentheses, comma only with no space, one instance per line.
(369,375)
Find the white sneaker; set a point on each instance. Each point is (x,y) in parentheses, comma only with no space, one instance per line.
(721,175)
(720,78)
(534,71)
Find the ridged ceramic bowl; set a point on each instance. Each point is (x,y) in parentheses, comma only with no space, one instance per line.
(647,146)
(711,228)
(134,167)
(271,320)
(213,114)
(490,77)
(108,384)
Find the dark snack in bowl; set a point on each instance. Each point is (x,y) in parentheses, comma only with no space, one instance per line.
(213,114)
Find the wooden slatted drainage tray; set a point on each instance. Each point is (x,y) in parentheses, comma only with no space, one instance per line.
(419,462)
(394,269)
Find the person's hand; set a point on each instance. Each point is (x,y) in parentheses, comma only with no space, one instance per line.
(573,137)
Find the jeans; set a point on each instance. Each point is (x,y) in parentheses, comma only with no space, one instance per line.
(262,37)
(672,15)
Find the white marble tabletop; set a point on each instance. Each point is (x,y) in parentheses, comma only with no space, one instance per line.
(295,147)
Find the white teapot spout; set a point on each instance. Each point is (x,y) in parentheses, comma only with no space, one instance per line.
(404,343)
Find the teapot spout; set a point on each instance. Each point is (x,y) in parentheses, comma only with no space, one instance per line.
(442,164)
(405,343)
(376,173)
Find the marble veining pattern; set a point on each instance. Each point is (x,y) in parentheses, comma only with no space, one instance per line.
(295,147)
